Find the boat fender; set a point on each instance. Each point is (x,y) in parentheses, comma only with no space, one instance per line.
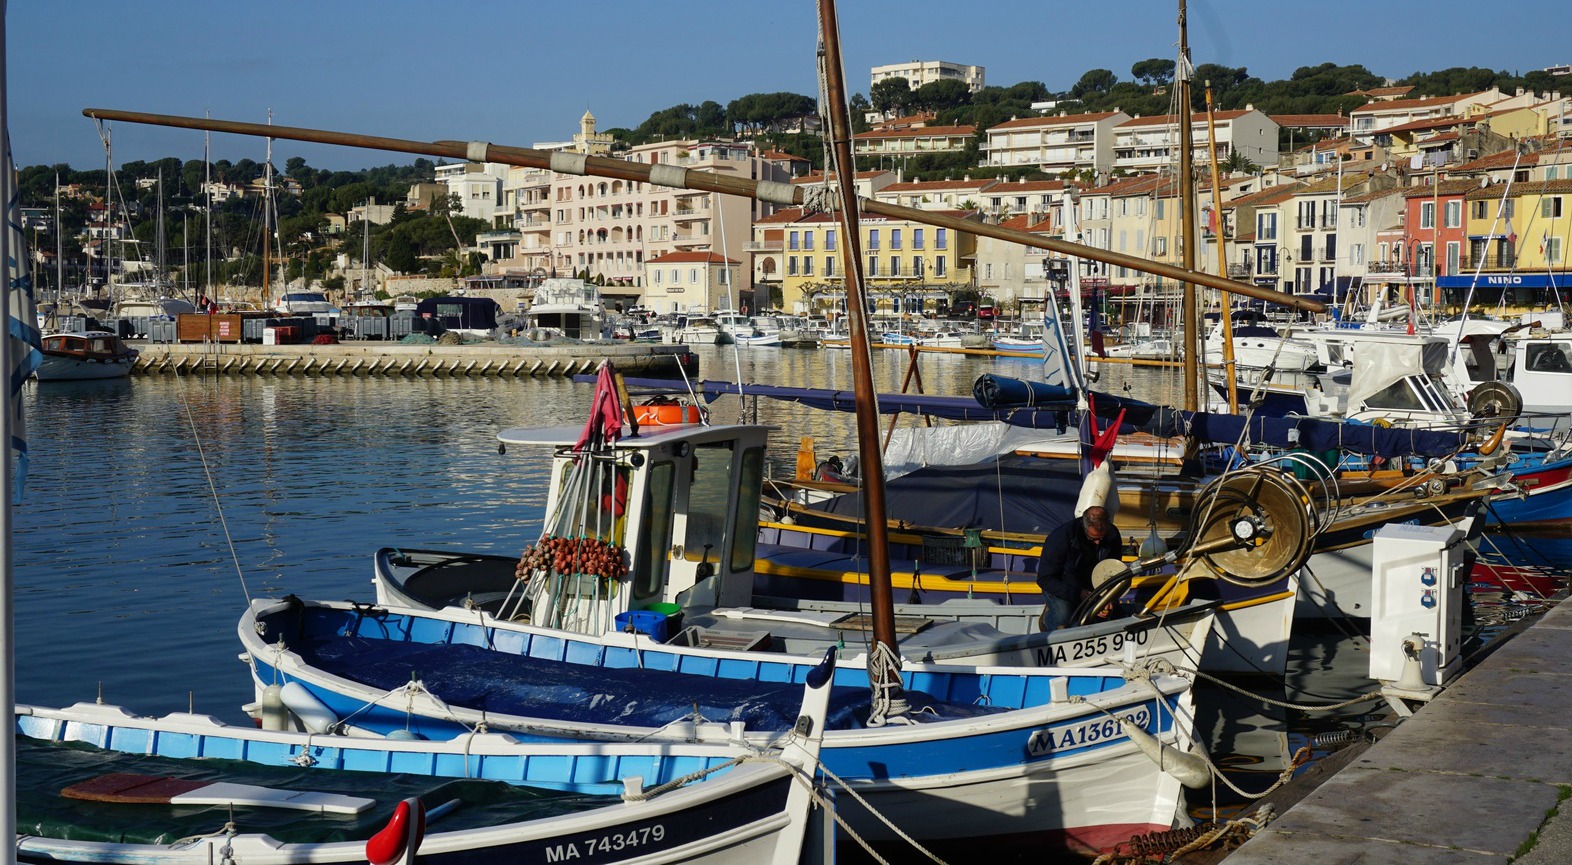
(1099,488)
(314,715)
(405,735)
(401,837)
(275,716)
(1188,769)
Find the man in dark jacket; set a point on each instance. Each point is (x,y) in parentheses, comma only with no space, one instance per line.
(1070,552)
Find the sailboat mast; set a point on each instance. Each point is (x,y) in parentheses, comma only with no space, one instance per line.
(109,216)
(1192,327)
(59,251)
(267,211)
(207,180)
(159,279)
(868,452)
(1224,298)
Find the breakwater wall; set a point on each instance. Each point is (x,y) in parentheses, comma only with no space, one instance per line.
(389,359)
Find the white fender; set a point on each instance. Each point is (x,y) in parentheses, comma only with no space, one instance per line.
(275,716)
(313,715)
(1099,488)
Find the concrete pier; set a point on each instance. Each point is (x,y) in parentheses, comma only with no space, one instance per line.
(1478,775)
(397,359)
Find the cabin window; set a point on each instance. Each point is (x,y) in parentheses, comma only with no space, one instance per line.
(1547,357)
(1397,395)
(745,530)
(651,561)
(708,494)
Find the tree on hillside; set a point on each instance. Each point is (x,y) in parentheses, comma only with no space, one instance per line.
(1458,79)
(1153,72)
(859,108)
(891,96)
(942,95)
(766,112)
(1093,82)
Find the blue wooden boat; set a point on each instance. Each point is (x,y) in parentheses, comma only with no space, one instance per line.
(985,749)
(99,784)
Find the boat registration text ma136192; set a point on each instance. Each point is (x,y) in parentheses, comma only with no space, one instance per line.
(1044,742)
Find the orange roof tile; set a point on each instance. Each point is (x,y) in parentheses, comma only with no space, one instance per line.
(691,258)
(939,185)
(1198,117)
(917,132)
(1310,121)
(1054,120)
(1405,104)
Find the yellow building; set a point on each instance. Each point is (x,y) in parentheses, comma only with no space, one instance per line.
(903,261)
(1517,241)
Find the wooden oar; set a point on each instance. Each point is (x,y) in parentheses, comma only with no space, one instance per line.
(160,789)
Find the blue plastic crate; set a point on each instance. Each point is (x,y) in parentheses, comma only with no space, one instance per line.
(656,625)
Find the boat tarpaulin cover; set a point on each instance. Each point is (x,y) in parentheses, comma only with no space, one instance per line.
(1015,494)
(997,391)
(1315,435)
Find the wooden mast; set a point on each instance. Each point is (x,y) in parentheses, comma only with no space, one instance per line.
(869,453)
(1224,299)
(674,176)
(1191,323)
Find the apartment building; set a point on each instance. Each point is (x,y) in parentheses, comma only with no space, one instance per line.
(920,72)
(963,194)
(907,265)
(478,187)
(1013,274)
(1375,118)
(1149,144)
(1364,261)
(685,281)
(913,140)
(1056,145)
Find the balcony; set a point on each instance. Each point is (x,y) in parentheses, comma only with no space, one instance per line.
(1238,271)
(763,246)
(690,239)
(1497,261)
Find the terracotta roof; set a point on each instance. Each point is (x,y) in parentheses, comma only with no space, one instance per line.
(1334,184)
(1016,222)
(1384,91)
(1042,226)
(1433,123)
(1270,195)
(817,177)
(1505,158)
(907,121)
(1056,120)
(1365,197)
(1198,117)
(1439,139)
(777,155)
(1404,104)
(1244,238)
(1445,187)
(917,132)
(691,257)
(939,185)
(1306,121)
(790,214)
(1540,187)
(1008,186)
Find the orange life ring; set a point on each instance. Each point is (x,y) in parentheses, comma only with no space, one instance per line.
(665,415)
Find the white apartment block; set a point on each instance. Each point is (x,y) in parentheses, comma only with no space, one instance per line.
(478,187)
(964,194)
(691,282)
(1039,199)
(914,141)
(1057,144)
(1147,144)
(920,72)
(1369,120)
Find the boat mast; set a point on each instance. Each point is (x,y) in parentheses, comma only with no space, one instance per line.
(207,175)
(1224,299)
(868,451)
(1192,327)
(59,252)
(706,181)
(7,576)
(159,279)
(267,209)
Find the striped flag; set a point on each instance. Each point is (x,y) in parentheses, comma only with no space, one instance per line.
(22,319)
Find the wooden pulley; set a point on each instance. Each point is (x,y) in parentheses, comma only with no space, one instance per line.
(1252,527)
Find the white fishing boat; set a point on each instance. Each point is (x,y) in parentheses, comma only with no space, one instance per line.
(566,307)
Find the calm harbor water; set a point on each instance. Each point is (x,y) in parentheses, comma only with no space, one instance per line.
(125,580)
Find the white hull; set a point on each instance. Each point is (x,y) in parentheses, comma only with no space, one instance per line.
(76,369)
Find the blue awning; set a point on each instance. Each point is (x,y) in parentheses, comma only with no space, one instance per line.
(1506,280)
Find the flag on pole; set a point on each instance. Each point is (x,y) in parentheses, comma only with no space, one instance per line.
(22,326)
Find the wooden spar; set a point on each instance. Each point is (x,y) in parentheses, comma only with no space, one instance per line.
(870,454)
(1190,317)
(1222,269)
(703,181)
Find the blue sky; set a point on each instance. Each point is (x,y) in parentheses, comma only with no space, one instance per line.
(523,72)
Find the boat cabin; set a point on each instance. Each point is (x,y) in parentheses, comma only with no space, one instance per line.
(680,502)
(95,345)
(1397,378)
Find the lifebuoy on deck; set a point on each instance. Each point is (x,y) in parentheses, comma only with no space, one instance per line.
(665,415)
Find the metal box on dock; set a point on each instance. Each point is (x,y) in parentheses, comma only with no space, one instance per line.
(200,327)
(1418,575)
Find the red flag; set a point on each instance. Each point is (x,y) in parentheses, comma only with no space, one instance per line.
(605,417)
